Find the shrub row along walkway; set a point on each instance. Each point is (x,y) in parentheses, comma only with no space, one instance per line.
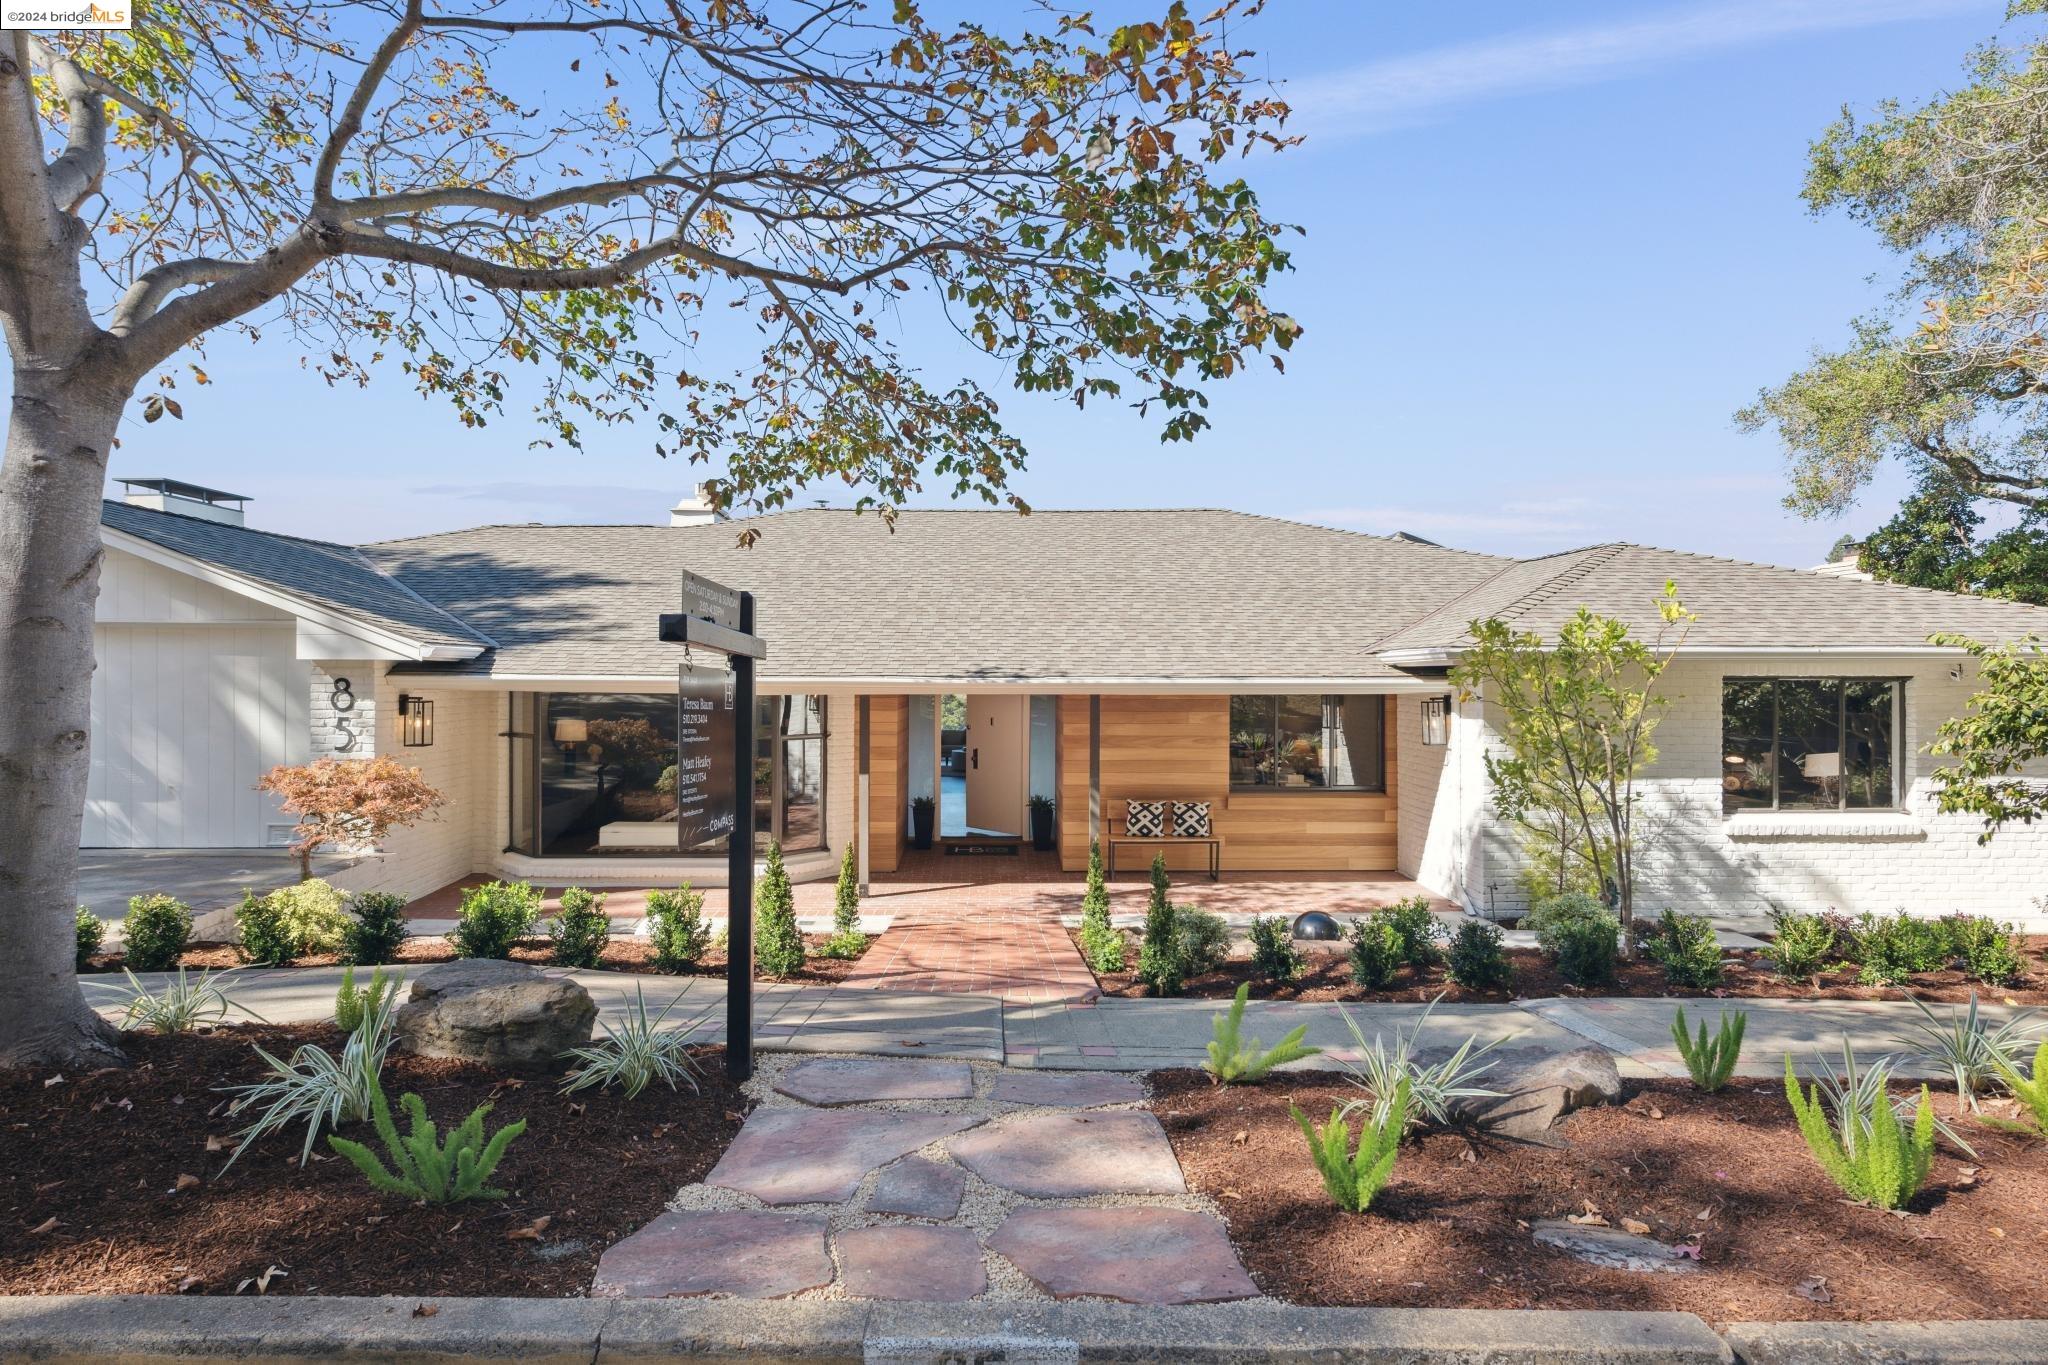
(936,1182)
(1143,1035)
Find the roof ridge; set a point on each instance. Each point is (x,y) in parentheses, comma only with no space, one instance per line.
(1808,575)
(229,526)
(1592,557)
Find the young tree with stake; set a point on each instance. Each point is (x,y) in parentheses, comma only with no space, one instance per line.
(380,184)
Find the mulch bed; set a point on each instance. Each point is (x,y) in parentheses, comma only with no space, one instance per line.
(1326,975)
(620,955)
(1776,1239)
(103,1154)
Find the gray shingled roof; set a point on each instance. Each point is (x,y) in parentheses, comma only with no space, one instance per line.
(1739,605)
(952,595)
(338,578)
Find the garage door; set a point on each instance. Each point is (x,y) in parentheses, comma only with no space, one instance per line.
(184,720)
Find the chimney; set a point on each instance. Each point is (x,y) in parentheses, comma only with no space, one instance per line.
(184,499)
(694,510)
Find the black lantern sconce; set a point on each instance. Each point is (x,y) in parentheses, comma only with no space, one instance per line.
(1436,721)
(415,721)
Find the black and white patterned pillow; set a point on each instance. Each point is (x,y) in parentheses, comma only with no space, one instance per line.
(1191,819)
(1145,819)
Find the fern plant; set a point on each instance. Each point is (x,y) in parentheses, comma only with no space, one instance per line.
(2030,1090)
(1868,1153)
(1710,1058)
(424,1166)
(635,1053)
(1232,1060)
(354,1004)
(1355,1176)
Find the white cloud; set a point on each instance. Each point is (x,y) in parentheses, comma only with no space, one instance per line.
(1399,91)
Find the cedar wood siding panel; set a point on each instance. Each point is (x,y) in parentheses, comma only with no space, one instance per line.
(888,780)
(1178,748)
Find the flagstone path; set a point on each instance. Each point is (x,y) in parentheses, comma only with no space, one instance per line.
(940,1182)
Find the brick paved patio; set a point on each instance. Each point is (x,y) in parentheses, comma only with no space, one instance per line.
(983,925)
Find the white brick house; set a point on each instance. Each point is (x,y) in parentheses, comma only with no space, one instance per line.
(1286,677)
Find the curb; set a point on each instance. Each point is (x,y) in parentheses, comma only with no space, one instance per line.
(144,1328)
(1888,1343)
(94,1330)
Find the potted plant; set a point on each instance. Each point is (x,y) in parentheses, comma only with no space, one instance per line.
(1041,823)
(922,812)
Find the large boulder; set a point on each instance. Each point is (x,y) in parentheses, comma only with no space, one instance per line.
(505,1014)
(1536,1091)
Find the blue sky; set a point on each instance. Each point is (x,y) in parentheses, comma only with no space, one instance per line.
(1550,250)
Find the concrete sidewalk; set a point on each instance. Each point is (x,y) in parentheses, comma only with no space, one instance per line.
(1144,1035)
(786,1018)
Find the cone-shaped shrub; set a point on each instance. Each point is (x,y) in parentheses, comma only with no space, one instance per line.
(778,943)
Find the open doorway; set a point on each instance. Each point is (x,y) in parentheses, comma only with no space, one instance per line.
(983,756)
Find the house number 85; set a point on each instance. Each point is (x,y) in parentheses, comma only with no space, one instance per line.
(343,698)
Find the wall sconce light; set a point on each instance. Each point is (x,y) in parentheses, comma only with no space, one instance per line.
(415,721)
(1436,721)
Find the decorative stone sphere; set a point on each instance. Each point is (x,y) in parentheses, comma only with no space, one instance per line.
(1316,925)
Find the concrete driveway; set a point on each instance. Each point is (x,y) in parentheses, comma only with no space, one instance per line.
(203,878)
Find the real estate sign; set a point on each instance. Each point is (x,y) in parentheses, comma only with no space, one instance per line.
(706,717)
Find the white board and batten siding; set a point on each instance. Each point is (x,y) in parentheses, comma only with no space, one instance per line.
(197,692)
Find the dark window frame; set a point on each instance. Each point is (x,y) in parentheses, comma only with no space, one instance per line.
(1327,700)
(531,762)
(1897,757)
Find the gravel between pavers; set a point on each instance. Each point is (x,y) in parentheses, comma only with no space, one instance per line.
(983,1207)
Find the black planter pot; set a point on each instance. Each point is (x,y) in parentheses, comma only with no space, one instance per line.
(921,818)
(1041,829)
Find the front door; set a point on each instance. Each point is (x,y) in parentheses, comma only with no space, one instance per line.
(998,730)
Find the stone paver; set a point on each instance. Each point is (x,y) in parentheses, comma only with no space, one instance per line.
(919,1264)
(753,1255)
(811,1156)
(919,1189)
(1138,1255)
(1066,1089)
(1073,1156)
(863,1080)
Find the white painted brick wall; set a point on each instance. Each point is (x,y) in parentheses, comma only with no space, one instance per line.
(343,715)
(1696,859)
(461,763)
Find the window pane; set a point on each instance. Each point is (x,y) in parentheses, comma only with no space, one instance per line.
(1355,743)
(1298,729)
(1251,741)
(608,774)
(803,794)
(1869,714)
(1809,743)
(1748,754)
(521,835)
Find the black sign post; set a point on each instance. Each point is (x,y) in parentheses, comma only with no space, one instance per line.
(715,777)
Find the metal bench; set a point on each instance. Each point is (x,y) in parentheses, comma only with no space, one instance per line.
(1163,841)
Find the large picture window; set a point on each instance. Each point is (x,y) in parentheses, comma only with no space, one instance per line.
(1809,744)
(1308,742)
(602,772)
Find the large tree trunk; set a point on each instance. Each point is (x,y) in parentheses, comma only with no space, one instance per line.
(58,436)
